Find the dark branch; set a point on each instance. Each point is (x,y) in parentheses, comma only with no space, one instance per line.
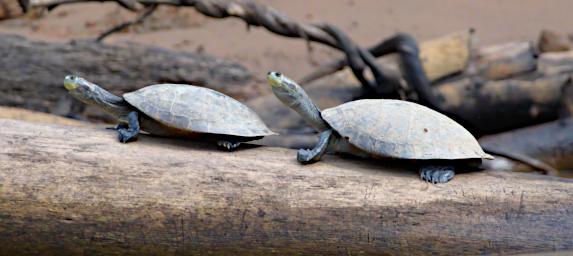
(148,11)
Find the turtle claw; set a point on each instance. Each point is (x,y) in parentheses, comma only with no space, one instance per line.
(125,136)
(305,156)
(227,145)
(437,174)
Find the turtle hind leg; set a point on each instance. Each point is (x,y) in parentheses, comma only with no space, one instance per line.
(306,156)
(226,145)
(437,173)
(129,133)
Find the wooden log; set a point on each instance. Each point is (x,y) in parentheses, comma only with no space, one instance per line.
(446,55)
(67,190)
(547,147)
(552,63)
(488,107)
(34,116)
(553,41)
(10,9)
(503,61)
(31,73)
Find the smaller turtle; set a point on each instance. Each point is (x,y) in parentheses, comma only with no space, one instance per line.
(383,129)
(174,110)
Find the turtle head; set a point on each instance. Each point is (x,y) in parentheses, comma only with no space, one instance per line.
(292,95)
(285,89)
(81,89)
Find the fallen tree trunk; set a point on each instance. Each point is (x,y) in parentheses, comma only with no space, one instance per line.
(31,73)
(77,190)
(10,9)
(503,61)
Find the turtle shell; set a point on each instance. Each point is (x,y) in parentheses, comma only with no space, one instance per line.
(197,109)
(401,129)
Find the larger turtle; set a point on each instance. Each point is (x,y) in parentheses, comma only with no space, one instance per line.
(175,110)
(383,128)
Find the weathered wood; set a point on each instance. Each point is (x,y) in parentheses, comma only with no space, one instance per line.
(553,41)
(31,73)
(547,147)
(503,61)
(34,116)
(67,190)
(488,107)
(446,55)
(552,63)
(10,9)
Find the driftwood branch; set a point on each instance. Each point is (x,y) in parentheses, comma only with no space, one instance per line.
(146,13)
(440,57)
(31,72)
(72,190)
(252,12)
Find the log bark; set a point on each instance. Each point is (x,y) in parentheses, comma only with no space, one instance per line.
(10,9)
(552,63)
(548,147)
(487,107)
(67,190)
(504,61)
(31,73)
(553,41)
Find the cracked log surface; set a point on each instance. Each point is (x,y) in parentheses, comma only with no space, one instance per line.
(31,73)
(70,190)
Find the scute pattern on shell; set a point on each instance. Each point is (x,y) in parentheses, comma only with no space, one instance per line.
(197,109)
(401,129)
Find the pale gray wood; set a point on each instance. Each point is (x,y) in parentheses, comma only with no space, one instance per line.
(67,190)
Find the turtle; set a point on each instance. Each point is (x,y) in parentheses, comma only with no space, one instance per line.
(174,110)
(383,128)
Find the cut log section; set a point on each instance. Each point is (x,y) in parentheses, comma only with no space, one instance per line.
(10,9)
(447,55)
(553,41)
(67,190)
(552,63)
(503,61)
(31,73)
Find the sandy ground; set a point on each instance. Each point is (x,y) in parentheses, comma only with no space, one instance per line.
(366,21)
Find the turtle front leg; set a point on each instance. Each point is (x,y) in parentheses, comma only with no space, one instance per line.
(227,145)
(130,132)
(306,156)
(437,173)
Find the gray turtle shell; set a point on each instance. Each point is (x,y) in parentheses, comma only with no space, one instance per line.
(197,109)
(401,129)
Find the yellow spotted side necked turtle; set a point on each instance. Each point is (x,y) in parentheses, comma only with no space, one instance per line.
(383,128)
(174,110)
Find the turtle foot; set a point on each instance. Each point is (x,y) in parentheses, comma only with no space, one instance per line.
(306,156)
(125,135)
(437,174)
(227,145)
